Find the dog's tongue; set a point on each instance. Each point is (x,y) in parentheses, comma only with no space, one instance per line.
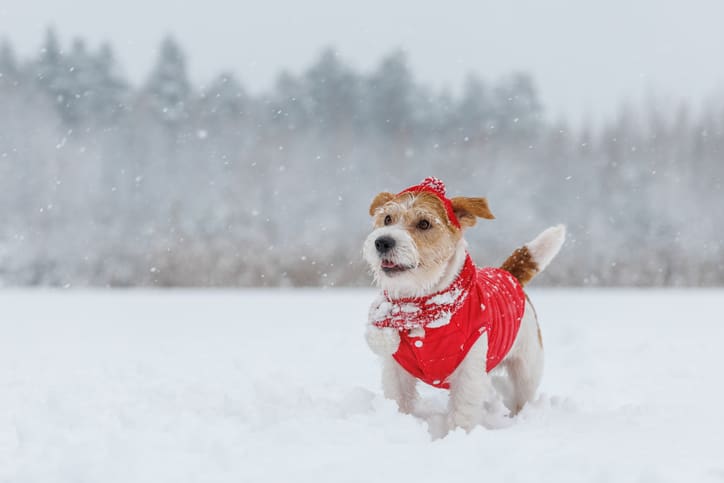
(388,264)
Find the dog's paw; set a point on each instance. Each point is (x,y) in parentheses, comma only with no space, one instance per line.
(383,341)
(458,419)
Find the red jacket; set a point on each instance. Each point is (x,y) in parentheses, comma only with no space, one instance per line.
(486,300)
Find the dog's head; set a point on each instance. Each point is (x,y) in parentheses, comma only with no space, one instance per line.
(416,235)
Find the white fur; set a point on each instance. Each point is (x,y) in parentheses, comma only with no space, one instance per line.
(475,395)
(404,253)
(398,385)
(411,283)
(451,269)
(518,375)
(547,245)
(470,388)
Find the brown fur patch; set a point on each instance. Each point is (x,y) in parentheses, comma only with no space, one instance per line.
(380,200)
(521,265)
(468,210)
(430,206)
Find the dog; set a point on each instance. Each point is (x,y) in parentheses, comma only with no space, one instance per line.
(441,319)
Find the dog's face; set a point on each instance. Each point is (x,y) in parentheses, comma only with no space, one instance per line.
(413,240)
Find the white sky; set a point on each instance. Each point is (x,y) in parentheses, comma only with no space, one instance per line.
(586,56)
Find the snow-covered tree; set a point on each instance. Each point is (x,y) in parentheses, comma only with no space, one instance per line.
(476,110)
(54,74)
(110,90)
(168,87)
(9,69)
(81,82)
(334,92)
(289,105)
(390,95)
(518,109)
(224,99)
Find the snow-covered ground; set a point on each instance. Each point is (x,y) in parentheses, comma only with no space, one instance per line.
(257,386)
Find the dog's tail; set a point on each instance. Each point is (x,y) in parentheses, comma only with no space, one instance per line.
(533,257)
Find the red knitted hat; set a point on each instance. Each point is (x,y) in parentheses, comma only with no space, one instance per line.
(436,187)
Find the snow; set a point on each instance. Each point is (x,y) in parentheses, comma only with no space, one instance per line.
(257,386)
(443,320)
(445,297)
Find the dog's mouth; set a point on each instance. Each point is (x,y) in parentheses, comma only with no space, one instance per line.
(391,267)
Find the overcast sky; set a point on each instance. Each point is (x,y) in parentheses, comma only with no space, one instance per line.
(586,56)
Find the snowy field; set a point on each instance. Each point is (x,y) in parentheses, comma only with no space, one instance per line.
(263,386)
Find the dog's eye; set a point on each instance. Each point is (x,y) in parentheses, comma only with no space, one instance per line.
(388,220)
(423,224)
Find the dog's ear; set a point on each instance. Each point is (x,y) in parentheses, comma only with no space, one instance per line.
(380,200)
(469,209)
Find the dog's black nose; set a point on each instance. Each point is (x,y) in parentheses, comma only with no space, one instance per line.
(384,244)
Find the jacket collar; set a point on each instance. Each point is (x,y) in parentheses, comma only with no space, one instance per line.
(429,311)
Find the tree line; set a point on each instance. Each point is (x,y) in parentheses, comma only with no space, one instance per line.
(107,183)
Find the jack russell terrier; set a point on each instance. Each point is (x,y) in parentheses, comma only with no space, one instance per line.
(444,321)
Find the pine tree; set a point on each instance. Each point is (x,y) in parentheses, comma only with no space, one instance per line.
(333,91)
(475,109)
(49,63)
(224,99)
(52,73)
(168,87)
(9,70)
(290,104)
(81,84)
(390,95)
(110,90)
(518,110)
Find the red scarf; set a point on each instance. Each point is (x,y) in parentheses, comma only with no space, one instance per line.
(487,300)
(432,311)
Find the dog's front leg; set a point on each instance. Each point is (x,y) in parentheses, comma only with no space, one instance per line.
(470,388)
(397,384)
